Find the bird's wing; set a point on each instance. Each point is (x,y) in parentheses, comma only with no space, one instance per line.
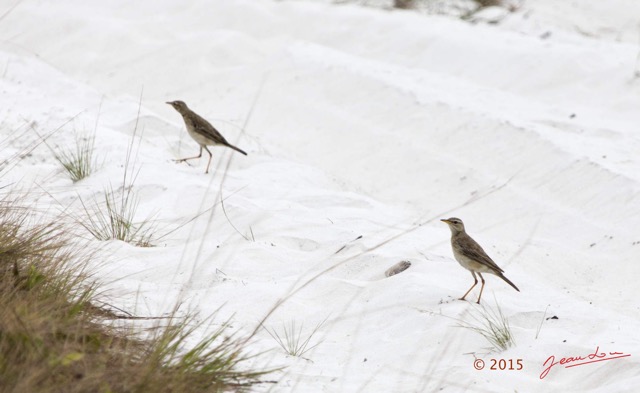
(203,127)
(473,250)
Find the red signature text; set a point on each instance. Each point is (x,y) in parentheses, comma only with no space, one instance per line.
(596,356)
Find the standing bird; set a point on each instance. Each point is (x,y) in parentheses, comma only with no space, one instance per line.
(201,131)
(471,256)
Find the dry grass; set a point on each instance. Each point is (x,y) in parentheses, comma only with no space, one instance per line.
(493,325)
(292,341)
(53,340)
(113,218)
(80,161)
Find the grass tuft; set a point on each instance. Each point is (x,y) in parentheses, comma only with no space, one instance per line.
(79,162)
(291,339)
(216,357)
(493,325)
(113,218)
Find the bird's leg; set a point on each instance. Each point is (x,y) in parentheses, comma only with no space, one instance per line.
(481,288)
(210,157)
(475,279)
(190,158)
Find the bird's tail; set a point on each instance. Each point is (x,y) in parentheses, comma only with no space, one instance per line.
(236,149)
(508,282)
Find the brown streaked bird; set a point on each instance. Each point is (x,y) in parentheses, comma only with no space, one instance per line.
(201,131)
(471,256)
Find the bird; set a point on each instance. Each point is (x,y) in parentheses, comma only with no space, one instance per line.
(471,256)
(201,131)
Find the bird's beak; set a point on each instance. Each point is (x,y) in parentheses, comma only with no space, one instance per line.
(169,102)
(445,220)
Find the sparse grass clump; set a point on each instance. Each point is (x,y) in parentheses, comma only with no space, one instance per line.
(493,325)
(113,218)
(80,161)
(52,339)
(291,339)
